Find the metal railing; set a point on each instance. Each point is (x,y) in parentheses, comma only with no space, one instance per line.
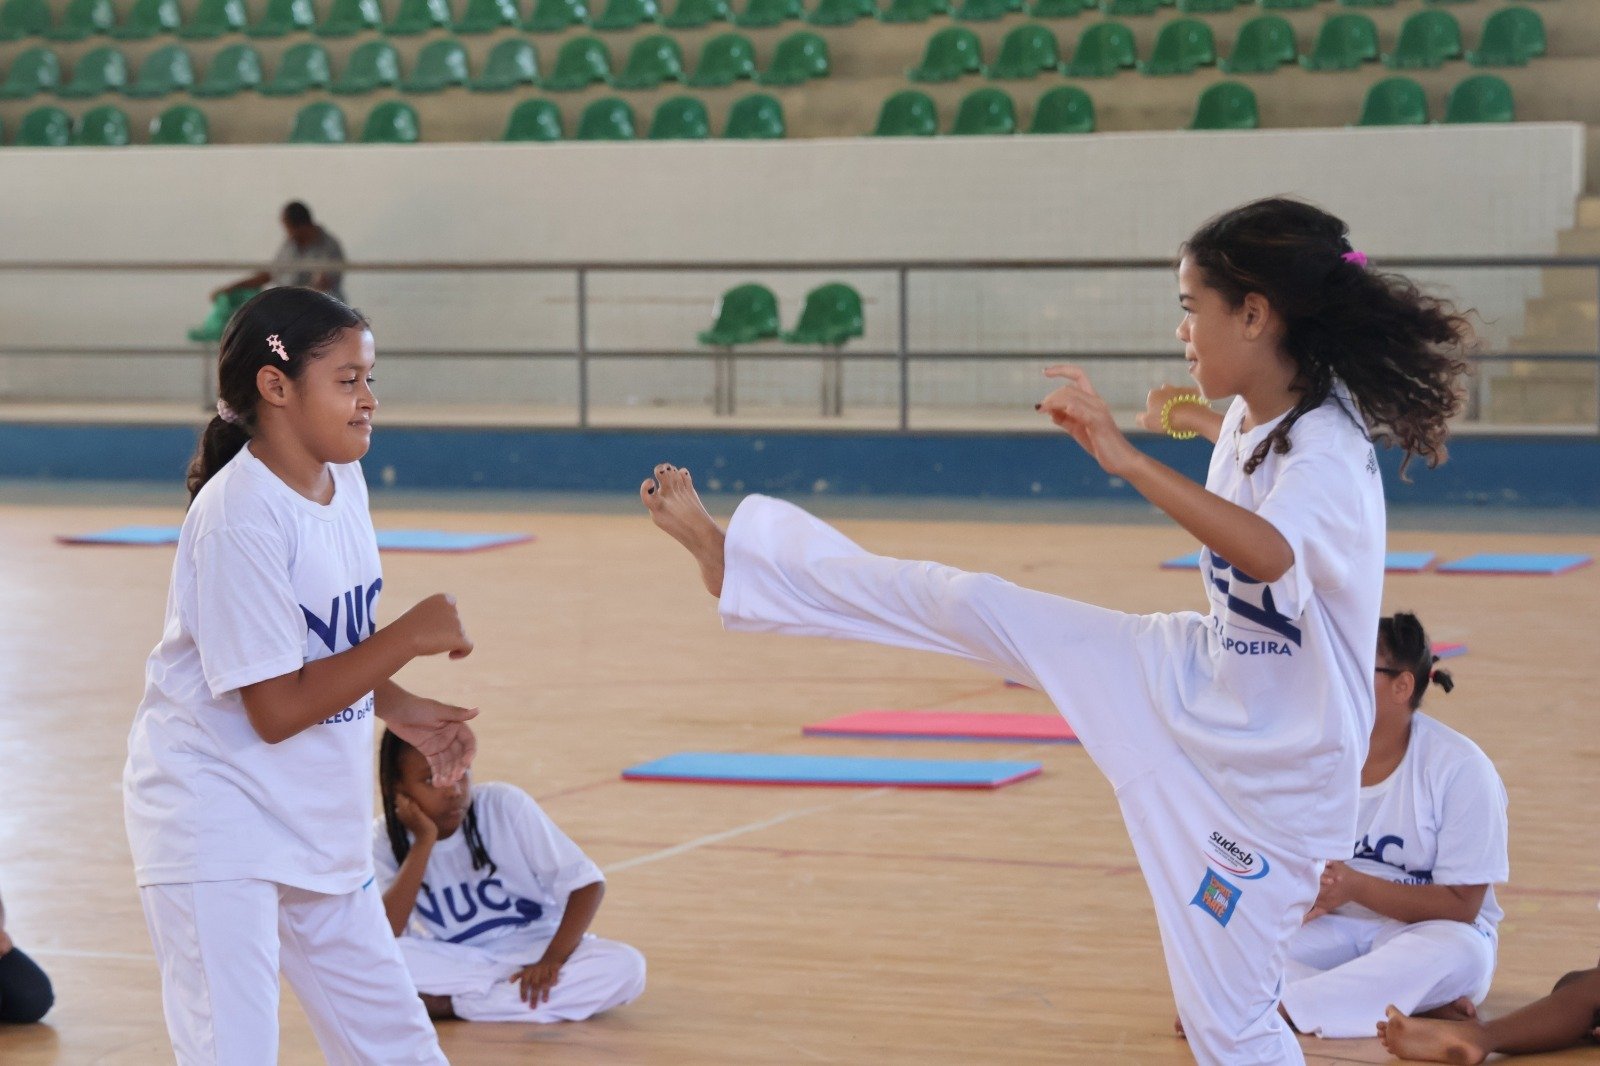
(584,354)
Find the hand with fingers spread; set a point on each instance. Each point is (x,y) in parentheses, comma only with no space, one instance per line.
(537,979)
(438,730)
(1077,408)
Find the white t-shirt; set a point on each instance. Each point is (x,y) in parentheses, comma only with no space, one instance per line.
(537,867)
(264,582)
(1439,819)
(1274,700)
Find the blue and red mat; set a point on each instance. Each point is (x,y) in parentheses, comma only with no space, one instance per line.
(390,540)
(830,770)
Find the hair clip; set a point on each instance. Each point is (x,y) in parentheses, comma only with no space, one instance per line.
(226,413)
(1358,258)
(276,344)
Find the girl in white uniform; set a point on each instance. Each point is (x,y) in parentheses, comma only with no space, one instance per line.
(1410,919)
(1234,739)
(492,902)
(249,778)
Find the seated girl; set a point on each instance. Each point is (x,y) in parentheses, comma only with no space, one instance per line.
(491,901)
(1411,918)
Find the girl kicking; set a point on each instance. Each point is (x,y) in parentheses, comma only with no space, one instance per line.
(1234,740)
(1410,919)
(249,777)
(497,899)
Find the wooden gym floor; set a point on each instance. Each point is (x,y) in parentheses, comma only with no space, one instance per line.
(781,925)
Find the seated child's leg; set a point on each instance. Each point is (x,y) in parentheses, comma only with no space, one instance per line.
(1325,942)
(1563,1019)
(600,975)
(25,992)
(1415,967)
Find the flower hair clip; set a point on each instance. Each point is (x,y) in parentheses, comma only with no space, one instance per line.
(276,344)
(1358,258)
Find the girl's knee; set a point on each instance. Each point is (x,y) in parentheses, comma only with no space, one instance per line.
(1590,979)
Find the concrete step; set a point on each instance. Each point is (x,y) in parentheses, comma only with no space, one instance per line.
(1578,242)
(1575,323)
(1546,396)
(1574,283)
(1589,212)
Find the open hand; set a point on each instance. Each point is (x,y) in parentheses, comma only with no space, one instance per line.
(439,731)
(537,979)
(1077,408)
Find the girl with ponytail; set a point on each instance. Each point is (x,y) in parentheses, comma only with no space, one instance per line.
(248,786)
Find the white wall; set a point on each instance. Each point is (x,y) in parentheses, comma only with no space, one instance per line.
(1435,191)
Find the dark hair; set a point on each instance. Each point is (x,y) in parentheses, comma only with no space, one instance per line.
(296,213)
(304,321)
(389,751)
(1394,347)
(1402,636)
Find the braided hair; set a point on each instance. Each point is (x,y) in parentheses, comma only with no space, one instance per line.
(390,748)
(1396,349)
(1403,637)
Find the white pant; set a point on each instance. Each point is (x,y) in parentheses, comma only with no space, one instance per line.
(220,946)
(1225,918)
(1345,969)
(599,975)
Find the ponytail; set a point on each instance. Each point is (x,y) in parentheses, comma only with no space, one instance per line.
(1396,349)
(285,328)
(1402,636)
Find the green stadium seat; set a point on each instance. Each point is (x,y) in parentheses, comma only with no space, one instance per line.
(985,112)
(534,120)
(798,58)
(757,117)
(319,123)
(1344,43)
(223,305)
(651,61)
(419,16)
(680,118)
(1394,102)
(1511,37)
(233,70)
(45,127)
(440,65)
(213,19)
(180,125)
(1025,52)
(1103,49)
(913,10)
(693,14)
(1427,39)
(1263,44)
(1206,7)
(1064,109)
(487,16)
(553,16)
(392,122)
(346,18)
(511,63)
(744,314)
(82,19)
(1226,105)
(283,17)
(1182,46)
(165,71)
(23,18)
(760,13)
(304,67)
(841,12)
(1481,98)
(105,126)
(372,66)
(725,59)
(582,62)
(103,70)
(626,15)
(1058,9)
(832,312)
(909,113)
(149,18)
(34,71)
(609,118)
(1133,7)
(982,10)
(952,52)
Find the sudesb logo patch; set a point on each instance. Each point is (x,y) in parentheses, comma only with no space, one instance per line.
(1235,859)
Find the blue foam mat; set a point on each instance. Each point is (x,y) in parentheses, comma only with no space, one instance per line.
(743,768)
(127,535)
(1515,563)
(1395,562)
(400,540)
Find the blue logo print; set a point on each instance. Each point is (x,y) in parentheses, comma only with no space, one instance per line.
(1233,584)
(359,622)
(1217,897)
(488,898)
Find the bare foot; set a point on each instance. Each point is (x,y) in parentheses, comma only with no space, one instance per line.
(1433,1039)
(676,508)
(1458,1011)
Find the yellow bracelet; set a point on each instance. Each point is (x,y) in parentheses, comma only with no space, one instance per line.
(1166,414)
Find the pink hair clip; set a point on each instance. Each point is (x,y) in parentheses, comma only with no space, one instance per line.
(276,344)
(1358,258)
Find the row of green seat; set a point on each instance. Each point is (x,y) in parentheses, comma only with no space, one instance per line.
(1231,105)
(912,113)
(1511,37)
(51,127)
(748,314)
(373,65)
(990,10)
(679,118)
